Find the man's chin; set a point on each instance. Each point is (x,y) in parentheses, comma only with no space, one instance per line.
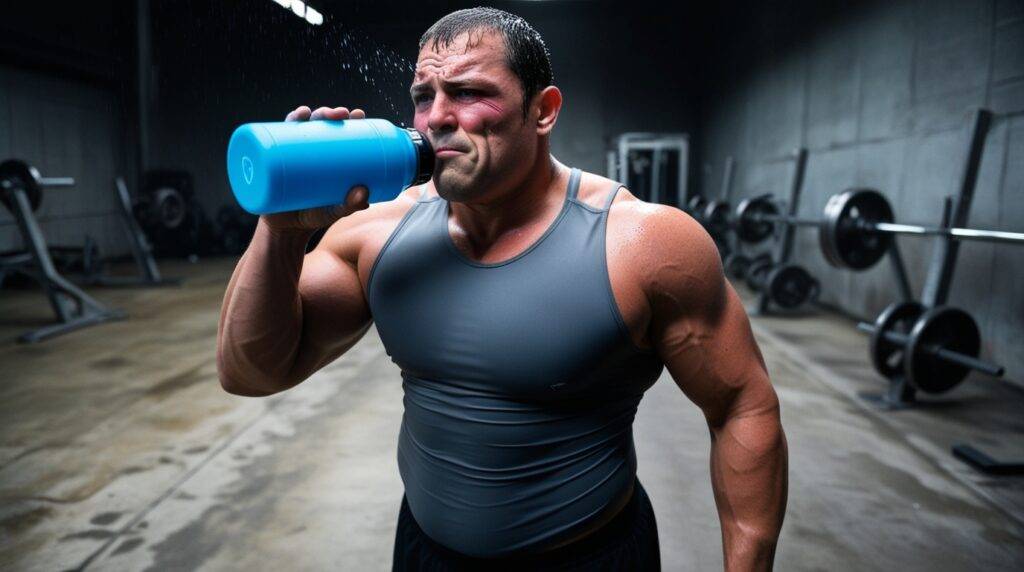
(452,187)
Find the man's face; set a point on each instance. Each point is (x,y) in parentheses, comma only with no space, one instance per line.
(469,104)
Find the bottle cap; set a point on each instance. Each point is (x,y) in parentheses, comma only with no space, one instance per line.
(424,157)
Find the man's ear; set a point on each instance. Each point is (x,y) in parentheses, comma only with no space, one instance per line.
(549,100)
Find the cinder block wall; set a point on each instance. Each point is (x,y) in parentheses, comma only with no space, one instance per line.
(880,96)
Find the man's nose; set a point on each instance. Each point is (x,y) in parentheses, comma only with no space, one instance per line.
(441,117)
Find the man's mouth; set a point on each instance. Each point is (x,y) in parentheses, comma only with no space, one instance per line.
(443,151)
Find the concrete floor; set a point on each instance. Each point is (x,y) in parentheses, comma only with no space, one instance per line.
(119,451)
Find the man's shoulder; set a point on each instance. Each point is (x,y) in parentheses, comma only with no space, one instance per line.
(667,246)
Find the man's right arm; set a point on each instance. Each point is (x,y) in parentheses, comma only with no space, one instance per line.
(286,314)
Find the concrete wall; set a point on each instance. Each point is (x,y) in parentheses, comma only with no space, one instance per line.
(880,96)
(63,110)
(65,128)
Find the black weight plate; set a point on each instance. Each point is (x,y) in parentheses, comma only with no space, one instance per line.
(790,286)
(898,317)
(946,328)
(15,173)
(715,218)
(749,227)
(169,207)
(758,271)
(844,240)
(736,265)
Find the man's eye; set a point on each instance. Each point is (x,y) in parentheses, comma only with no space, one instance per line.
(421,98)
(467,93)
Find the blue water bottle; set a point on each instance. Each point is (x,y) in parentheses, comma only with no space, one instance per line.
(295,165)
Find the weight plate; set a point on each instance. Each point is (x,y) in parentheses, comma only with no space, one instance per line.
(844,240)
(750,228)
(790,286)
(736,265)
(715,218)
(168,207)
(946,328)
(14,174)
(898,317)
(757,273)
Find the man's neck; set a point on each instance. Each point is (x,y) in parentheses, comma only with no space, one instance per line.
(530,202)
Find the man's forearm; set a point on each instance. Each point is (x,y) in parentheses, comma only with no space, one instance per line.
(749,474)
(261,318)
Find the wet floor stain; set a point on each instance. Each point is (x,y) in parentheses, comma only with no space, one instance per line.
(22,521)
(128,545)
(183,380)
(942,507)
(105,518)
(94,534)
(109,363)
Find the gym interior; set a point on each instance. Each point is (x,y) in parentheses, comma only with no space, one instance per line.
(860,166)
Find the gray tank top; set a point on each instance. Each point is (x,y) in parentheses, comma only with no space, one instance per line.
(521,380)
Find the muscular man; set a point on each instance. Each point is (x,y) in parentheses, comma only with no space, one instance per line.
(529,306)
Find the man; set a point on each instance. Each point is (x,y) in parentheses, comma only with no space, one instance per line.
(529,306)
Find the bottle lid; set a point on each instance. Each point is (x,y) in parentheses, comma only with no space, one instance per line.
(424,157)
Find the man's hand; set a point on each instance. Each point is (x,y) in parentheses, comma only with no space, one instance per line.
(308,220)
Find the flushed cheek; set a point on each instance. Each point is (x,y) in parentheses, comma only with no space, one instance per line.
(419,121)
(482,112)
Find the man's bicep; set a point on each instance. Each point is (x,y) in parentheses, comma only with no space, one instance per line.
(334,309)
(714,359)
(699,326)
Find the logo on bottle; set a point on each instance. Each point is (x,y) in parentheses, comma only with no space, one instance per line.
(247,169)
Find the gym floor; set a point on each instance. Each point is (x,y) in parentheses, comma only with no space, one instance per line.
(120,451)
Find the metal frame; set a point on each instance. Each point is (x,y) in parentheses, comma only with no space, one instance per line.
(142,250)
(73,307)
(657,143)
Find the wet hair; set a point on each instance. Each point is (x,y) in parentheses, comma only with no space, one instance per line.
(527,56)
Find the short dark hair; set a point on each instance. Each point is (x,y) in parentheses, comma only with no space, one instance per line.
(527,56)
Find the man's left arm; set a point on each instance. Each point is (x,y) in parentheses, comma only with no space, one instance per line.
(700,330)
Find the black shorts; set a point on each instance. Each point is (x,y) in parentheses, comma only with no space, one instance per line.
(627,542)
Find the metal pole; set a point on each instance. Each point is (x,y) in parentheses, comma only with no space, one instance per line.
(957,233)
(56,181)
(940,273)
(727,178)
(656,160)
(901,272)
(795,190)
(143,71)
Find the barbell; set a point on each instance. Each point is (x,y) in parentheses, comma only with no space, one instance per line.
(856,230)
(933,349)
(19,174)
